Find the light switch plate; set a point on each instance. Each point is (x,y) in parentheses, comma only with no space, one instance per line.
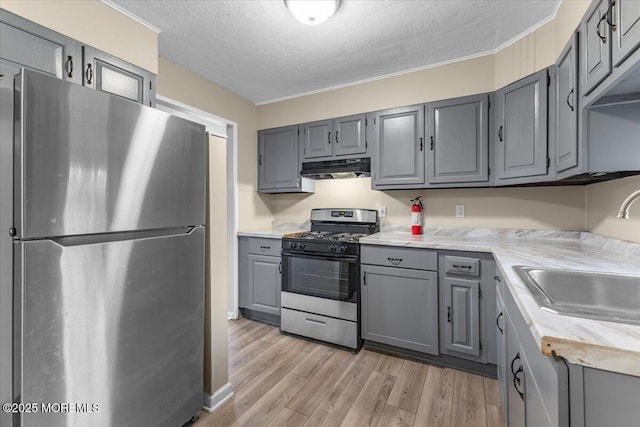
(459,211)
(382,211)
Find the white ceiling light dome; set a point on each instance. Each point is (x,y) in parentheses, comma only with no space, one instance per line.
(312,12)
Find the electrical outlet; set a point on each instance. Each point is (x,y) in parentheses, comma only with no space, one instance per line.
(382,211)
(459,211)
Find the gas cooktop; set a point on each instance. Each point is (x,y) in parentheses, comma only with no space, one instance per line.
(329,235)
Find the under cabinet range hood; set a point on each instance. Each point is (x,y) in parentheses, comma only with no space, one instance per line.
(335,169)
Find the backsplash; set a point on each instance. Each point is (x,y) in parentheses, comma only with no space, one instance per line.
(541,208)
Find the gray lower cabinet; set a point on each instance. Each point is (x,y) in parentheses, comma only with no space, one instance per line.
(400,307)
(462,305)
(603,398)
(458,139)
(521,139)
(467,305)
(26,44)
(595,54)
(399,158)
(515,380)
(259,277)
(501,346)
(537,386)
(106,73)
(279,162)
(626,30)
(336,138)
(566,107)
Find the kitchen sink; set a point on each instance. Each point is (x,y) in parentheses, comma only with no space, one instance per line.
(600,296)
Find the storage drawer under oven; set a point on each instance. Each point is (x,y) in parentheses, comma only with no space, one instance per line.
(336,331)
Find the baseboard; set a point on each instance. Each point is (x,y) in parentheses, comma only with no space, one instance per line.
(211,403)
(231,315)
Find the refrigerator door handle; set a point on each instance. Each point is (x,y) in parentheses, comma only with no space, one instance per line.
(67,241)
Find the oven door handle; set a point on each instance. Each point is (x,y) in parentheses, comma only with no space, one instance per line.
(351,259)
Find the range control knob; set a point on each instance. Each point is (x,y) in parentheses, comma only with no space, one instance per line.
(301,245)
(332,248)
(293,245)
(342,249)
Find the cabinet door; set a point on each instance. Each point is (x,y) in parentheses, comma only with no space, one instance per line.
(566,156)
(350,135)
(462,311)
(317,139)
(595,55)
(278,163)
(458,140)
(515,378)
(400,307)
(106,73)
(501,341)
(30,45)
(626,32)
(264,284)
(399,157)
(521,128)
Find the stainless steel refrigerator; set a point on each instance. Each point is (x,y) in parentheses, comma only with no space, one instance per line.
(102,225)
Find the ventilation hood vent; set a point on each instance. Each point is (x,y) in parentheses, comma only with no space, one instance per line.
(337,169)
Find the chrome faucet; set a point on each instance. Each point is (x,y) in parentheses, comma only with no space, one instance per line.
(624,209)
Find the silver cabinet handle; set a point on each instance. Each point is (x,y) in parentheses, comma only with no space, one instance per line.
(458,266)
(265,247)
(394,261)
(315,322)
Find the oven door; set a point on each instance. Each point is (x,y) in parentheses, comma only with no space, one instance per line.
(321,275)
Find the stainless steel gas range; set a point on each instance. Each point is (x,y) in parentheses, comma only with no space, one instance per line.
(321,276)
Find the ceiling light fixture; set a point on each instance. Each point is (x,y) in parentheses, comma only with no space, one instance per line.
(312,12)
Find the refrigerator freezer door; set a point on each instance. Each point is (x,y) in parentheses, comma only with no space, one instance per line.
(90,163)
(118,325)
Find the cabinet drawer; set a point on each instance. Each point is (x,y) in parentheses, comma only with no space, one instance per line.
(336,331)
(419,259)
(260,246)
(462,265)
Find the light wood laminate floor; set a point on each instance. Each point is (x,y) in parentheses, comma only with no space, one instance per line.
(280,380)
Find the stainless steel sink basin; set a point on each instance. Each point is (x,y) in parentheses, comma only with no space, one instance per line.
(600,296)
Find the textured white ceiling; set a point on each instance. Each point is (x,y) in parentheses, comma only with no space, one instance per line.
(257,50)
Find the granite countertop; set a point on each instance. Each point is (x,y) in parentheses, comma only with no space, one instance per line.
(278,230)
(598,344)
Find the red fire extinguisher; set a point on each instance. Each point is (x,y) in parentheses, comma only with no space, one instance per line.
(416,216)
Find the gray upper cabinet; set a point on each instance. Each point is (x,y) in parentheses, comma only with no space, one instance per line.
(336,138)
(316,139)
(462,304)
(106,73)
(458,139)
(521,130)
(26,44)
(279,162)
(399,156)
(350,135)
(400,307)
(626,29)
(566,107)
(596,46)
